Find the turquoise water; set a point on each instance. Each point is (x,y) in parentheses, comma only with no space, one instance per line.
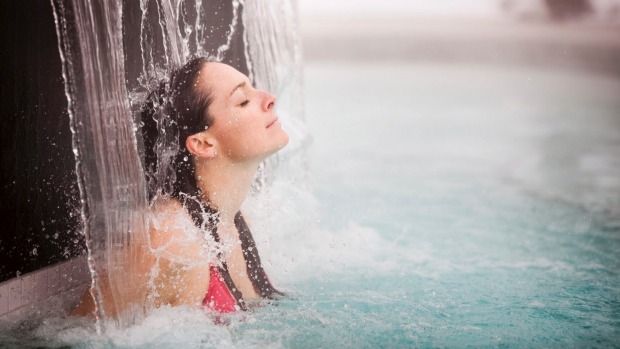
(446,206)
(497,192)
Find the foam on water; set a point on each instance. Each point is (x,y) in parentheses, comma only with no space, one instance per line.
(300,248)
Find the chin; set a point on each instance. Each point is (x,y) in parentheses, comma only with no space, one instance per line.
(283,143)
(284,140)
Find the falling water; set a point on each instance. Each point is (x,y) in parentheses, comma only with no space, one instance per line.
(274,63)
(113,53)
(110,179)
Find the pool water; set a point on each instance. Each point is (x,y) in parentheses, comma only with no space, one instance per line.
(474,206)
(445,206)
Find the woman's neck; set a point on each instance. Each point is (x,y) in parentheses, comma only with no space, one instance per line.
(225,185)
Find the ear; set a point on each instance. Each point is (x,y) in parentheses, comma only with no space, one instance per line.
(201,145)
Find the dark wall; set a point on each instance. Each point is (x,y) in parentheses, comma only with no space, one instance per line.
(38,197)
(218,16)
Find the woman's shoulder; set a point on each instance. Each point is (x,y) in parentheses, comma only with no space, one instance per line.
(166,204)
(172,230)
(183,259)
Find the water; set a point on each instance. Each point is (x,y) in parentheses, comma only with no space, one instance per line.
(110,178)
(464,205)
(446,206)
(113,53)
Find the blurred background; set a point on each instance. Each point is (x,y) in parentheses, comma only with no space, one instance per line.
(527,89)
(569,33)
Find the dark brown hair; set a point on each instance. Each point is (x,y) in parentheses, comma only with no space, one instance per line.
(173,112)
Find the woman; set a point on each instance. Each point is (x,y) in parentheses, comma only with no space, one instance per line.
(204,253)
(226,129)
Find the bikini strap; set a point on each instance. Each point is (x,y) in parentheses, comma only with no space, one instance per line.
(223,270)
(198,211)
(258,277)
(255,270)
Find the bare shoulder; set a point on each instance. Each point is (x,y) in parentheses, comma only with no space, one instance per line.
(168,221)
(183,265)
(167,211)
(175,236)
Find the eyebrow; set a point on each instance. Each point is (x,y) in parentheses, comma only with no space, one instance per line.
(236,87)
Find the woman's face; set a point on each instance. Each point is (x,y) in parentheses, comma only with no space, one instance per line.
(244,124)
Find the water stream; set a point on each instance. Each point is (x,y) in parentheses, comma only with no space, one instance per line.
(109,64)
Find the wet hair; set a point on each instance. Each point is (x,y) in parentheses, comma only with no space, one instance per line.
(173,111)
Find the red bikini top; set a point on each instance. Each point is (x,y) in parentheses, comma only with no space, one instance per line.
(222,294)
(218,296)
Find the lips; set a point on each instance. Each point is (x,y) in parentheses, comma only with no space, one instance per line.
(272,122)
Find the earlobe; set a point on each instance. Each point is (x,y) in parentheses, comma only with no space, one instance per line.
(201,146)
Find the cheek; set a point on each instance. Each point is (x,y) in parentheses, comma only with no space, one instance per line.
(240,137)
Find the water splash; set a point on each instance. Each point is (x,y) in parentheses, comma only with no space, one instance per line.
(233,27)
(273,53)
(112,185)
(109,65)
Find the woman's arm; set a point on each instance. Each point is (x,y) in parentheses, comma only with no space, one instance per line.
(181,275)
(179,284)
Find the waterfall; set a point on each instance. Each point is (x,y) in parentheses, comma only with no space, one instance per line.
(110,177)
(113,52)
(274,57)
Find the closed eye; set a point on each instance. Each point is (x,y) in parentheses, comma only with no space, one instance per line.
(244,103)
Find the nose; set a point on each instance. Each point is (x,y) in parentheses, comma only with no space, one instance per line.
(269,101)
